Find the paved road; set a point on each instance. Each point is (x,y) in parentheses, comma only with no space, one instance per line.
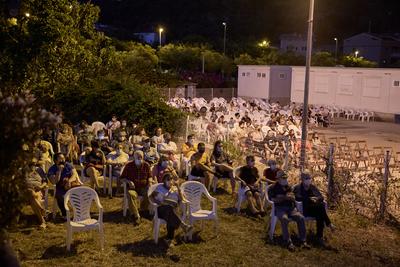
(375,133)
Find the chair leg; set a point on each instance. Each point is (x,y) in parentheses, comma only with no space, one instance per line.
(156,231)
(69,238)
(272,226)
(101,233)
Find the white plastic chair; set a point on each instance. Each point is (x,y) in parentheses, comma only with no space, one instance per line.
(81,199)
(273,217)
(193,192)
(157,222)
(242,196)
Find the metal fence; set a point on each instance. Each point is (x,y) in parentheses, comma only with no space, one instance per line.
(349,173)
(206,93)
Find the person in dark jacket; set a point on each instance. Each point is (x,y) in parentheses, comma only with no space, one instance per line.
(285,209)
(313,204)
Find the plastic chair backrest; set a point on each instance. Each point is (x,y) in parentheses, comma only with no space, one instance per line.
(193,191)
(152,189)
(81,200)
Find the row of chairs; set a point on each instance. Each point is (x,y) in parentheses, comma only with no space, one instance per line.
(81,198)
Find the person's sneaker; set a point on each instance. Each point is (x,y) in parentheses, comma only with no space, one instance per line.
(304,245)
(291,247)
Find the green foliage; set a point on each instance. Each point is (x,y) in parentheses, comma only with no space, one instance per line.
(55,47)
(189,58)
(180,57)
(20,119)
(245,59)
(352,61)
(323,59)
(100,98)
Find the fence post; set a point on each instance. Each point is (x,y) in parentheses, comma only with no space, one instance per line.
(169,93)
(332,196)
(212,93)
(382,206)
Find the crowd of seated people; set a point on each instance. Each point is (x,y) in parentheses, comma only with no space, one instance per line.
(271,130)
(139,161)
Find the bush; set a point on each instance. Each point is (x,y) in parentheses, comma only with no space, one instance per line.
(20,119)
(128,99)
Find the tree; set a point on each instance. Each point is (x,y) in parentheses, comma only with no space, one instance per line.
(21,119)
(352,61)
(245,59)
(52,45)
(324,59)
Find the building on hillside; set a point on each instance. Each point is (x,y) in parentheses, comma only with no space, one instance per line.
(383,49)
(295,43)
(373,89)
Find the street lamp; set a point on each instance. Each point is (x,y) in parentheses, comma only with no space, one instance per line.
(306,86)
(224,24)
(27,15)
(356,53)
(159,34)
(336,49)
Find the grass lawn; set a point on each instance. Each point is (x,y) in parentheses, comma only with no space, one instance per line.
(240,240)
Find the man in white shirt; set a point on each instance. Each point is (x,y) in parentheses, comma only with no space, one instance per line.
(169,149)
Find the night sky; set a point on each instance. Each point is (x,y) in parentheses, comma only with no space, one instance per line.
(251,19)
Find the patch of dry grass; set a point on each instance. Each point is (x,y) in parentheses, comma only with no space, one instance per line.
(240,241)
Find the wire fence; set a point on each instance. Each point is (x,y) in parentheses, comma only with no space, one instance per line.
(206,93)
(349,172)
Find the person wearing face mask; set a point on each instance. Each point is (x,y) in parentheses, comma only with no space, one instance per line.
(64,176)
(270,173)
(201,165)
(127,146)
(112,126)
(36,182)
(313,204)
(251,182)
(163,166)
(188,149)
(137,175)
(158,138)
(169,149)
(285,208)
(94,164)
(223,164)
(151,155)
(168,197)
(117,159)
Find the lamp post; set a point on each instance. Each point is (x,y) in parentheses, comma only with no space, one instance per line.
(306,86)
(159,34)
(336,49)
(224,24)
(356,53)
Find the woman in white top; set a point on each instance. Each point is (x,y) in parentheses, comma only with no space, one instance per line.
(168,196)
